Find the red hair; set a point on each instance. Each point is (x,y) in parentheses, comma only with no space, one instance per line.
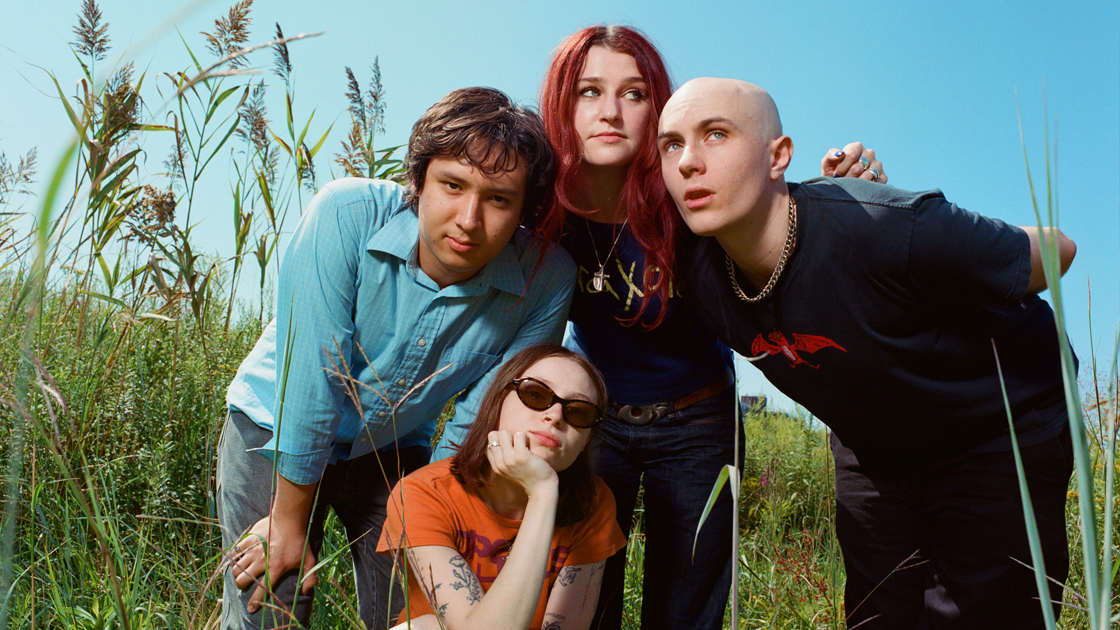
(653,218)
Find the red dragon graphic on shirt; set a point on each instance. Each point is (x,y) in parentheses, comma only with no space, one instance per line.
(776,343)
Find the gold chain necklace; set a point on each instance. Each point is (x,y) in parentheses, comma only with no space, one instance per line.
(599,279)
(791,237)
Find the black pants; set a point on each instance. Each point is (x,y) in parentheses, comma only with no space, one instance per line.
(356,490)
(936,546)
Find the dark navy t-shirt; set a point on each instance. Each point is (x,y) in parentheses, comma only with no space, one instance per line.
(882,324)
(640,366)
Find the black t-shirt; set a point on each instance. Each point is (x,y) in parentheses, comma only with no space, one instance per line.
(641,366)
(882,324)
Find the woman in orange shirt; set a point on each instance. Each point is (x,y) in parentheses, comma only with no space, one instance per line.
(524,472)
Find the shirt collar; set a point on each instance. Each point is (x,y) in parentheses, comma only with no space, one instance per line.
(399,236)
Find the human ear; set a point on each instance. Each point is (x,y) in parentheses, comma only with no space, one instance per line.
(781,154)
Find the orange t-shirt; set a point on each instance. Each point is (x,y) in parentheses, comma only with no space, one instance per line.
(440,511)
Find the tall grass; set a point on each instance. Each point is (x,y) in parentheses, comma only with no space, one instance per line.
(119,334)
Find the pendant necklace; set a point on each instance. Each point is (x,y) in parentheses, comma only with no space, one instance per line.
(599,279)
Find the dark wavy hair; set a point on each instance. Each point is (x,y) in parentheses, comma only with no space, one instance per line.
(494,134)
(470,466)
(654,220)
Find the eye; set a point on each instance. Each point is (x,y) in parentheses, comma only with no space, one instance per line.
(499,199)
(634,95)
(452,186)
(589,91)
(535,395)
(670,146)
(717,135)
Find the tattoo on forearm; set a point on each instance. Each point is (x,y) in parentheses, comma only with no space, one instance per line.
(551,625)
(567,575)
(468,579)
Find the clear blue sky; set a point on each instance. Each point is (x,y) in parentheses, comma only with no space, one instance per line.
(930,86)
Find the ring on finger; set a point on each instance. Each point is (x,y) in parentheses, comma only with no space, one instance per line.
(875,174)
(865,162)
(494,443)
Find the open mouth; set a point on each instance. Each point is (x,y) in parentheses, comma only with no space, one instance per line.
(697,197)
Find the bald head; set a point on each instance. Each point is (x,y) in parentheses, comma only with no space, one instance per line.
(723,156)
(745,104)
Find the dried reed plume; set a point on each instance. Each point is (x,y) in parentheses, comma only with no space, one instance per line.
(367,117)
(17,179)
(283,64)
(376,103)
(120,109)
(176,162)
(231,33)
(354,95)
(152,216)
(254,128)
(93,38)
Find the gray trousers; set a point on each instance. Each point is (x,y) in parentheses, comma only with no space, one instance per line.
(356,490)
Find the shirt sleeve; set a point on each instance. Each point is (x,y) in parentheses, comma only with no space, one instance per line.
(315,321)
(598,537)
(551,289)
(960,256)
(426,521)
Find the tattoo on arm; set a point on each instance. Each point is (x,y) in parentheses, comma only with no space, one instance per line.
(594,579)
(469,581)
(567,575)
(551,625)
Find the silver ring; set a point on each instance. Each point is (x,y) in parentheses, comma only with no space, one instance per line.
(865,162)
(494,443)
(875,173)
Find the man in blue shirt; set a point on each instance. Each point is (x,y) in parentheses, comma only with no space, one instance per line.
(390,302)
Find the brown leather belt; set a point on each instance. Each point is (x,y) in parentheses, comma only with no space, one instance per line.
(640,415)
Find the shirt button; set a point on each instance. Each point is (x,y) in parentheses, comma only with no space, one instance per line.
(381,414)
(421,343)
(402,382)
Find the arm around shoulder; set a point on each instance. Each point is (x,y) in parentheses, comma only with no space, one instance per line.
(1065,248)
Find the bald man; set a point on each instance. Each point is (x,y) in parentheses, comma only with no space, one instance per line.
(876,309)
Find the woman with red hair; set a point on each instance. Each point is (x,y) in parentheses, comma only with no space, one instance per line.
(671,416)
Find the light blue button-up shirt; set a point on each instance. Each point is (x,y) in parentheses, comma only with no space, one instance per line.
(373,347)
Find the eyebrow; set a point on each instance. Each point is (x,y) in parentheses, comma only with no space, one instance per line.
(505,191)
(703,124)
(635,79)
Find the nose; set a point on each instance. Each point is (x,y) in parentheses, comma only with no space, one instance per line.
(554,414)
(469,216)
(609,109)
(690,162)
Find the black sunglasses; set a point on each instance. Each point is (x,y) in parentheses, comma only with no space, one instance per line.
(538,397)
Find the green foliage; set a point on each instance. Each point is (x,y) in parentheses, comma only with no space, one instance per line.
(117,340)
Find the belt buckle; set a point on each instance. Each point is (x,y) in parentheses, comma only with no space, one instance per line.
(641,415)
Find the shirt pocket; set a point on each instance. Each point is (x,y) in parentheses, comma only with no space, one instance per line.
(464,368)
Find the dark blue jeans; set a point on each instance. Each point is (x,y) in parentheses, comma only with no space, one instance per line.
(676,460)
(356,490)
(935,548)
